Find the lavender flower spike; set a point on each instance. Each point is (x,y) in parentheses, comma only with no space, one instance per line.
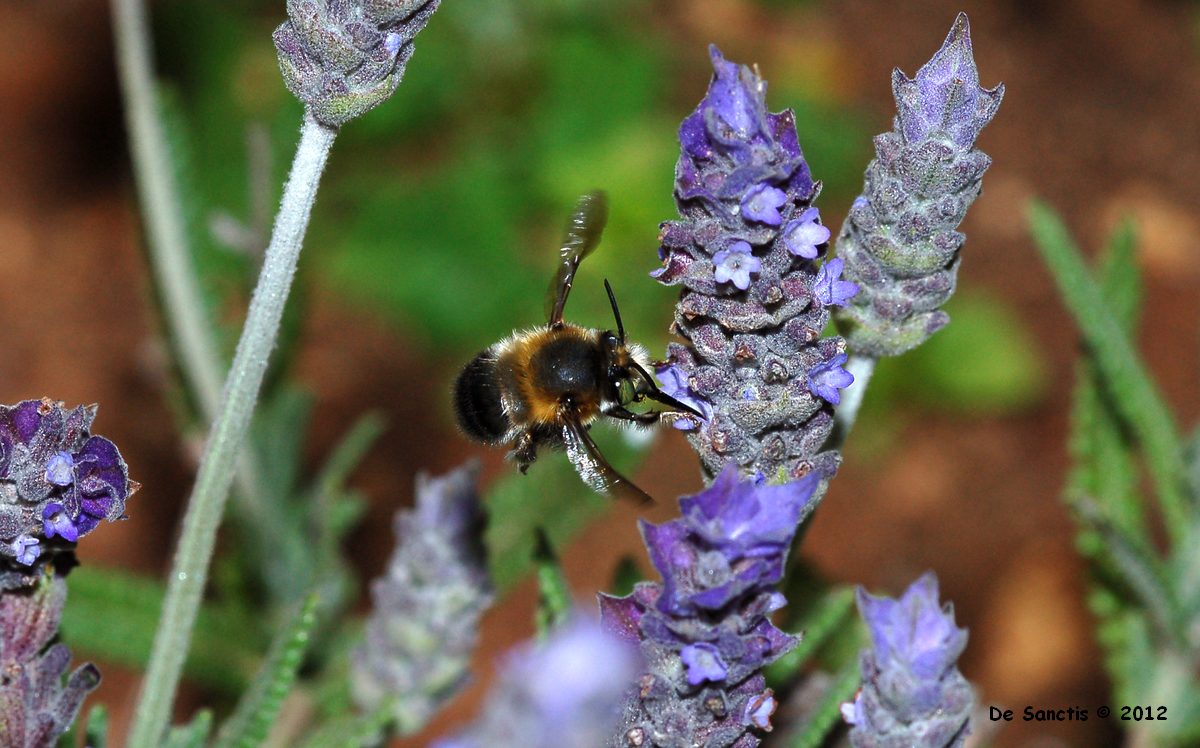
(747,252)
(36,707)
(57,483)
(425,619)
(899,240)
(912,692)
(345,57)
(704,631)
(562,693)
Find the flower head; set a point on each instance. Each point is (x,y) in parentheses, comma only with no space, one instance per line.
(743,251)
(912,691)
(425,618)
(36,707)
(562,693)
(900,241)
(343,58)
(57,483)
(704,631)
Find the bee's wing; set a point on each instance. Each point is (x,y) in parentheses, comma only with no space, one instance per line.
(583,234)
(591,465)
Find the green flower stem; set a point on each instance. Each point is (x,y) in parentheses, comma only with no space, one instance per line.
(844,416)
(189,571)
(159,195)
(167,243)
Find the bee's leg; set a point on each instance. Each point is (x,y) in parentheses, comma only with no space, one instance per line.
(649,418)
(524,451)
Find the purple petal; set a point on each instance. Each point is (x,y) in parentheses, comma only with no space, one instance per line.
(703,662)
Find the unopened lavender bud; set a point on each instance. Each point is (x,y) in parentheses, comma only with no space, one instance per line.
(564,692)
(747,251)
(900,241)
(57,483)
(912,692)
(424,623)
(345,57)
(36,707)
(705,630)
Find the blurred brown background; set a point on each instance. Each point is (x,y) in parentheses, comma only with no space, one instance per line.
(1100,118)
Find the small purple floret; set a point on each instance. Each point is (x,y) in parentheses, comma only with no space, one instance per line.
(60,469)
(827,287)
(703,662)
(762,204)
(56,521)
(827,378)
(735,264)
(25,549)
(802,235)
(675,384)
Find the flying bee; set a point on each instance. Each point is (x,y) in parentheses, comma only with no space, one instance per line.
(546,386)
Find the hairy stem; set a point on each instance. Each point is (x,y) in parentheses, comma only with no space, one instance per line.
(189,570)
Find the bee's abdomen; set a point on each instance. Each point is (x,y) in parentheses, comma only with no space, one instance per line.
(477,401)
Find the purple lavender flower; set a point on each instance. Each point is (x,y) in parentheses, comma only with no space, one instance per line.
(36,707)
(899,241)
(564,693)
(913,693)
(743,253)
(425,621)
(735,264)
(829,290)
(828,377)
(804,234)
(343,58)
(704,631)
(57,482)
(675,384)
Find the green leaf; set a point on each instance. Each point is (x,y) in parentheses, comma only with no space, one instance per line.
(625,576)
(554,594)
(251,721)
(192,735)
(225,643)
(354,731)
(826,716)
(818,624)
(551,496)
(1134,393)
(96,733)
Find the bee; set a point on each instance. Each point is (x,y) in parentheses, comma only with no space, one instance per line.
(546,386)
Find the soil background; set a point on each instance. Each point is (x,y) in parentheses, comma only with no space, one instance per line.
(1100,118)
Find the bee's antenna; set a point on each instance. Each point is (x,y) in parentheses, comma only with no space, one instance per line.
(616,312)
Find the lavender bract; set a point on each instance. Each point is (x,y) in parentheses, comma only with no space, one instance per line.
(57,482)
(562,693)
(425,620)
(343,58)
(704,630)
(745,252)
(899,241)
(912,693)
(36,707)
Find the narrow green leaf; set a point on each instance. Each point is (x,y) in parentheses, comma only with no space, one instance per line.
(554,499)
(349,452)
(819,623)
(251,721)
(827,714)
(1133,391)
(554,594)
(192,735)
(354,731)
(225,644)
(96,732)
